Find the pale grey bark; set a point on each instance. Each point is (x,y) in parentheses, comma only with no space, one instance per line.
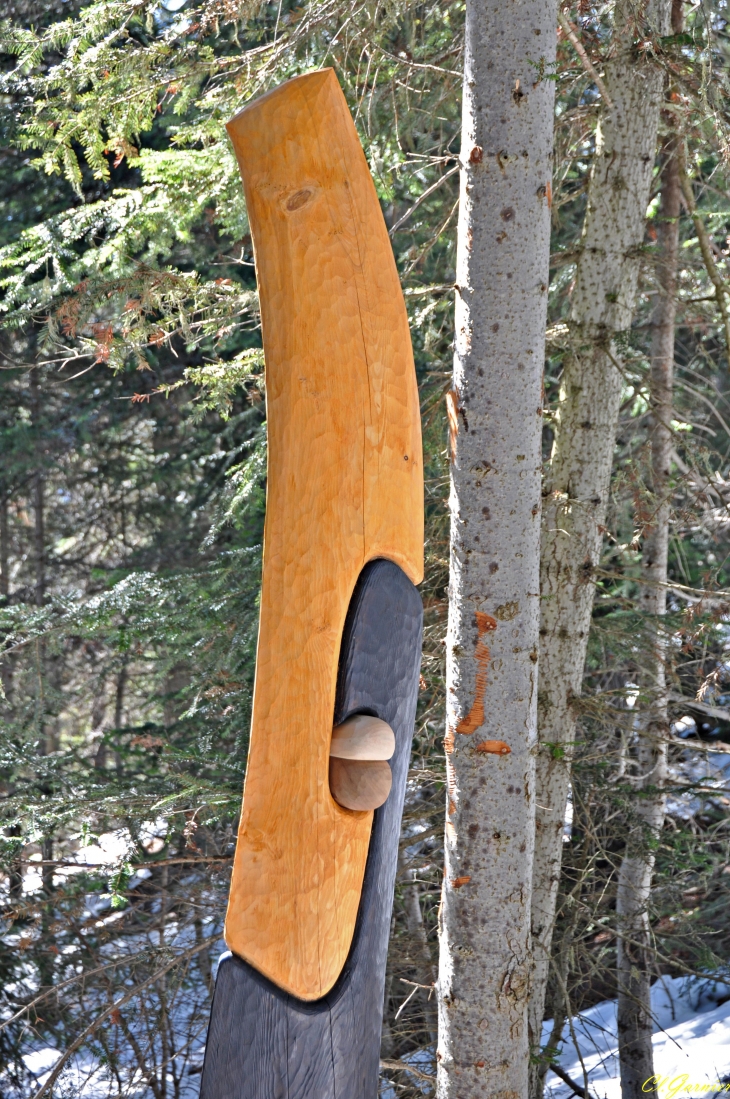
(495,418)
(634,954)
(576,492)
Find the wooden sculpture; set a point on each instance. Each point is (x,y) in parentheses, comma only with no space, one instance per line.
(340,624)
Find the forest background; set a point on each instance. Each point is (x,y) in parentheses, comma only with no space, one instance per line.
(132,495)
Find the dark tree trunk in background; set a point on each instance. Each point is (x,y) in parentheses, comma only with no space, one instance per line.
(634,945)
(577,483)
(4,548)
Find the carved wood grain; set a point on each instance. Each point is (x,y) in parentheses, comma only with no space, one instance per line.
(263,1043)
(344,487)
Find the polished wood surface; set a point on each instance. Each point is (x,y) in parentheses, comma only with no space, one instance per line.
(362,737)
(263,1043)
(360,784)
(345,486)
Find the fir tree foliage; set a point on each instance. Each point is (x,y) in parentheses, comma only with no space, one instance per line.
(132,492)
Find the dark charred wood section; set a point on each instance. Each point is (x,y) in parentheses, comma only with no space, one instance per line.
(263,1043)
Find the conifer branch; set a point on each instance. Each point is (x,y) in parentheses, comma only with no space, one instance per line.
(705,245)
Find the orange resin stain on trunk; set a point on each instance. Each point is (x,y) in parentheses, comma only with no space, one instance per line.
(452,412)
(494,747)
(475,717)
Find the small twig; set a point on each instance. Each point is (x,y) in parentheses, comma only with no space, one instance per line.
(672,585)
(421,65)
(704,241)
(134,866)
(55,989)
(399,1066)
(570,32)
(407,1000)
(419,291)
(695,747)
(716,712)
(416,837)
(45,1088)
(427,988)
(575,1088)
(569,1013)
(419,200)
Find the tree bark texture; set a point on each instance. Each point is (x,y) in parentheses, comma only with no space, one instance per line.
(495,416)
(4,548)
(576,490)
(38,492)
(6,668)
(634,953)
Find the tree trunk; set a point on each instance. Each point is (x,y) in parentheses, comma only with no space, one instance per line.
(39,538)
(45,735)
(39,521)
(119,708)
(6,669)
(15,873)
(576,493)
(4,548)
(634,953)
(47,742)
(495,418)
(98,709)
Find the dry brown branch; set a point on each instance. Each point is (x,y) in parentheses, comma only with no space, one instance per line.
(429,191)
(402,1066)
(705,245)
(79,977)
(572,35)
(45,1089)
(134,866)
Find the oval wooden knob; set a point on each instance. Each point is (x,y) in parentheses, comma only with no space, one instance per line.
(362,737)
(360,783)
(360,778)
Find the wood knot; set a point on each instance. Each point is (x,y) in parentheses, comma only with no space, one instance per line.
(298,199)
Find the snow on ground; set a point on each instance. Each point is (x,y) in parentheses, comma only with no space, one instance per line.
(85,1078)
(691,1049)
(691,1042)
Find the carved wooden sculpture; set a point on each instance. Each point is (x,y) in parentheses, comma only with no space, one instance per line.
(298,1003)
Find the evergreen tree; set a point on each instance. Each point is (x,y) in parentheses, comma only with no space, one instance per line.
(132,426)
